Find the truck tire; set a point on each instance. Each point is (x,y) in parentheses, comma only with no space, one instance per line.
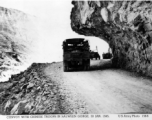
(88,67)
(84,68)
(65,69)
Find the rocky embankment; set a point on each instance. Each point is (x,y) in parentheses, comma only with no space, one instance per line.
(30,92)
(41,89)
(125,25)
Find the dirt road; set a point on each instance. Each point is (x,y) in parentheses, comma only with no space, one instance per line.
(102,90)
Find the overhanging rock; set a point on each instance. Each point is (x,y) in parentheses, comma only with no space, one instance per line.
(125,25)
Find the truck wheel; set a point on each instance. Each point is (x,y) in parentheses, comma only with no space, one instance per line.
(65,69)
(85,68)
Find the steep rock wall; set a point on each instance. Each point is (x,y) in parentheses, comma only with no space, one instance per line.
(125,25)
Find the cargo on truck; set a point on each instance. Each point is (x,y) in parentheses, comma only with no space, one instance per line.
(76,54)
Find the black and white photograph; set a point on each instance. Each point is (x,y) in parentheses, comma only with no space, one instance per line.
(76,57)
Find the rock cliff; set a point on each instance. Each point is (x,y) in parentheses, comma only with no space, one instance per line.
(125,25)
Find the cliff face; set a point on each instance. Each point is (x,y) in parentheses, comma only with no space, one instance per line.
(125,25)
(18,36)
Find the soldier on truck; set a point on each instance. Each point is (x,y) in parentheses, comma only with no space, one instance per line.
(76,54)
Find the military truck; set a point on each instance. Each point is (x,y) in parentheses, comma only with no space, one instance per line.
(94,55)
(76,54)
(107,55)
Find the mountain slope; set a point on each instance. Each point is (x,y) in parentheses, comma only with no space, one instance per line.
(18,36)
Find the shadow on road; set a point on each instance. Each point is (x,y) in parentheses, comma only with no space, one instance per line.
(96,65)
(101,64)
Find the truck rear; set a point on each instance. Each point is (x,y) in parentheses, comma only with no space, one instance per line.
(94,55)
(76,54)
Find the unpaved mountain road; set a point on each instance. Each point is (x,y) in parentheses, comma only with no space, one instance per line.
(102,91)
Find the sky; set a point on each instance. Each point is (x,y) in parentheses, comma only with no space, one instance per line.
(55,15)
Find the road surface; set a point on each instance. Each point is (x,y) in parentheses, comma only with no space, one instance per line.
(102,90)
